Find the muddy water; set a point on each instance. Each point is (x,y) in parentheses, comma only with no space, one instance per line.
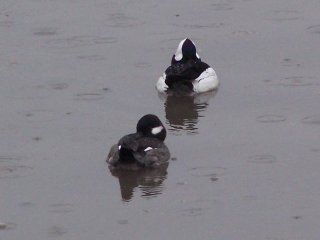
(77,75)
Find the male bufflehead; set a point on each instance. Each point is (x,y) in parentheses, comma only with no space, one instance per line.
(145,148)
(187,72)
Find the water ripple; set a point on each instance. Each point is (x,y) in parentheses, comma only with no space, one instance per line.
(79,41)
(15,171)
(88,96)
(271,118)
(120,20)
(6,23)
(315,29)
(213,173)
(314,120)
(296,81)
(93,57)
(288,62)
(262,158)
(284,16)
(61,208)
(192,211)
(221,7)
(45,31)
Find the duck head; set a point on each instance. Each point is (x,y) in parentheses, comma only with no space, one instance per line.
(186,51)
(151,126)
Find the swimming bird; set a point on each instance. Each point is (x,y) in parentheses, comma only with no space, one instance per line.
(144,148)
(187,72)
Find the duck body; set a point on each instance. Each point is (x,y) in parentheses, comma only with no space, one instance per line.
(145,148)
(187,72)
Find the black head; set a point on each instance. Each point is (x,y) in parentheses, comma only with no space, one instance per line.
(186,51)
(151,126)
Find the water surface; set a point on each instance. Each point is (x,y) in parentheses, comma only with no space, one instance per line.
(77,75)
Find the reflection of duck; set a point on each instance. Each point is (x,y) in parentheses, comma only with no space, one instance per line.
(183,111)
(148,180)
(188,72)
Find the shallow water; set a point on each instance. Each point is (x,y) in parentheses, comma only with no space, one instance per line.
(77,75)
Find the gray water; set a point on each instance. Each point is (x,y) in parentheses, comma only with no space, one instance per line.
(77,75)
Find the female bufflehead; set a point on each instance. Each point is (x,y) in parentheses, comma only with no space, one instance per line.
(187,72)
(145,148)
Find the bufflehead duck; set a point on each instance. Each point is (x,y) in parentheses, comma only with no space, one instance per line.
(187,72)
(145,148)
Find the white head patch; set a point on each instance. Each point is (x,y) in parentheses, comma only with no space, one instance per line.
(178,55)
(119,147)
(156,130)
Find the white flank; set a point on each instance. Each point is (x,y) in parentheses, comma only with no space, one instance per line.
(207,81)
(161,84)
(148,149)
(178,55)
(156,130)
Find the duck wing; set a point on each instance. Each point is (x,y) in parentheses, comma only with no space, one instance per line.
(113,156)
(184,71)
(151,152)
(127,146)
